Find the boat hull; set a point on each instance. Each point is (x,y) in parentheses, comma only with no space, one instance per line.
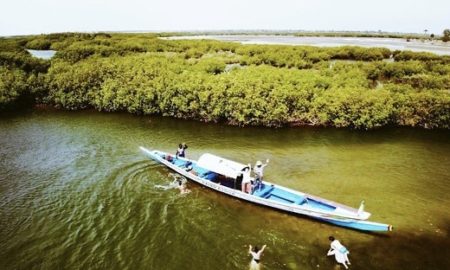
(342,220)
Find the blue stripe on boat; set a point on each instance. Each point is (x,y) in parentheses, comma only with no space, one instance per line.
(179,162)
(361,225)
(287,196)
(319,205)
(200,171)
(263,191)
(278,199)
(210,176)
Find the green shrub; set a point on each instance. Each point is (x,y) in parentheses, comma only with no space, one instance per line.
(273,85)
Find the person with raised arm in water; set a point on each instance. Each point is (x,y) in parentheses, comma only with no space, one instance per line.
(256,253)
(182,187)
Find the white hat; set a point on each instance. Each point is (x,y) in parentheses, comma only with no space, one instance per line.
(258,163)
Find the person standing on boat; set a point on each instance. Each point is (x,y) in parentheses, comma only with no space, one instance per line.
(247,179)
(339,251)
(181,151)
(256,253)
(259,171)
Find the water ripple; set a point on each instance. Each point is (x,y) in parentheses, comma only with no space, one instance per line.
(76,193)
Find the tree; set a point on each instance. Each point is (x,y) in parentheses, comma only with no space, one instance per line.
(446,35)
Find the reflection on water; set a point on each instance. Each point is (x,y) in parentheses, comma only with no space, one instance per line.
(76,193)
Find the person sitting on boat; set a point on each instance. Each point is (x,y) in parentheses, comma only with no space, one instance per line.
(259,171)
(181,151)
(339,251)
(247,180)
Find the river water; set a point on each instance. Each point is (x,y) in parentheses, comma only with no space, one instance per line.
(435,46)
(76,193)
(43,54)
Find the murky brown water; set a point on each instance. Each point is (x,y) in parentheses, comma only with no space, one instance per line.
(76,193)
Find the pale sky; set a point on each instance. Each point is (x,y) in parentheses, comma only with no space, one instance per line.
(18,17)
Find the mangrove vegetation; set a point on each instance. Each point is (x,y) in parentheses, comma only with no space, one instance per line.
(216,81)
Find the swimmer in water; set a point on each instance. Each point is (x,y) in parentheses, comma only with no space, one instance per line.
(339,251)
(256,253)
(182,187)
(177,183)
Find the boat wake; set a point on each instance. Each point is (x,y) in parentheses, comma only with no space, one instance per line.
(177,179)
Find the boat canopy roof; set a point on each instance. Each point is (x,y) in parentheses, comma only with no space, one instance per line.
(220,165)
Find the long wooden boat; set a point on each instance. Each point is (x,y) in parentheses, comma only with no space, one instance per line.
(224,176)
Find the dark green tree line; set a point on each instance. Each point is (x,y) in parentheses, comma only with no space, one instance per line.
(227,82)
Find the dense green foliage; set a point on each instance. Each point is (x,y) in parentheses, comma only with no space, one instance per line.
(446,35)
(19,73)
(228,82)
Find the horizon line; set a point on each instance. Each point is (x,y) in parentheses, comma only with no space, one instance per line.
(262,30)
